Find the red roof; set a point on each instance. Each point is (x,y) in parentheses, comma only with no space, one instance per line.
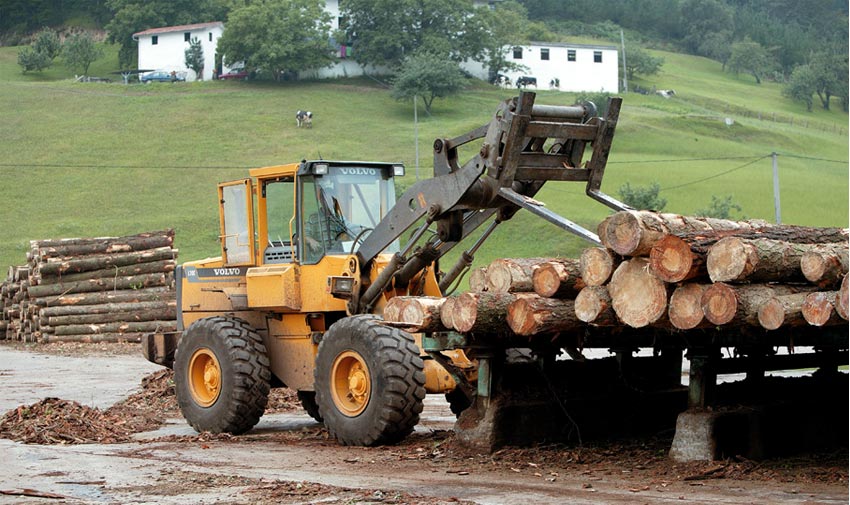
(181,28)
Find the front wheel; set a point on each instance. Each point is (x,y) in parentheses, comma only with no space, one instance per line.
(369,382)
(221,375)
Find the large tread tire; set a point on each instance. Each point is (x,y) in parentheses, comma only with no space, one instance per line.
(396,375)
(308,402)
(244,375)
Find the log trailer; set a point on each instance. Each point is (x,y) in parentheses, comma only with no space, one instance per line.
(312,252)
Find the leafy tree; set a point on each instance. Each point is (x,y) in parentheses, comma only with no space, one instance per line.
(31,60)
(720,208)
(751,57)
(717,46)
(701,18)
(47,42)
(638,61)
(829,72)
(507,25)
(428,76)
(194,57)
(801,85)
(386,32)
(278,36)
(40,54)
(643,198)
(80,51)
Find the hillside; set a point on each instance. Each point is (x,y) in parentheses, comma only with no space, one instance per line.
(109,159)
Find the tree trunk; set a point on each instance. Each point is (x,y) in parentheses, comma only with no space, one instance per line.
(825,267)
(106,308)
(597,264)
(533,315)
(482,312)
(783,310)
(739,305)
(593,305)
(841,298)
(819,309)
(673,260)
(123,271)
(130,295)
(559,278)
(757,260)
(478,279)
(512,275)
(639,297)
(633,233)
(686,307)
(135,316)
(119,327)
(101,261)
(105,284)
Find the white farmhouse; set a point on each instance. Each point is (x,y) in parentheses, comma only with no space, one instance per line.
(562,66)
(165,48)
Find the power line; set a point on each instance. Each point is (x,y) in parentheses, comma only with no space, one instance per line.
(813,159)
(122,167)
(716,175)
(679,160)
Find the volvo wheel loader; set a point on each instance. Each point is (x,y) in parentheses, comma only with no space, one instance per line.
(312,251)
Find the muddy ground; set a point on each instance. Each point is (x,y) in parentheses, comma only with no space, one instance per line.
(111,433)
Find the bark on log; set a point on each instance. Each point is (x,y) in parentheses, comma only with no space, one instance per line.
(739,305)
(758,260)
(673,260)
(819,309)
(783,310)
(95,298)
(101,261)
(534,315)
(686,307)
(478,279)
(106,245)
(512,275)
(419,313)
(639,297)
(633,233)
(593,305)
(112,317)
(825,267)
(447,312)
(138,269)
(481,312)
(597,264)
(119,327)
(104,284)
(560,278)
(93,338)
(841,298)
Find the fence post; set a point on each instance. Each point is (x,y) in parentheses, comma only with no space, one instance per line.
(776,205)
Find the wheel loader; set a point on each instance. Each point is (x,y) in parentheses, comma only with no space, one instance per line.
(312,251)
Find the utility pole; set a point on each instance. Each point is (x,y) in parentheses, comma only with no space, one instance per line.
(625,75)
(776,205)
(416,134)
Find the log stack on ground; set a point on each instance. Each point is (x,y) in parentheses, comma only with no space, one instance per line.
(105,289)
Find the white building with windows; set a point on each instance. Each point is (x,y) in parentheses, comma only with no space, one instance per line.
(562,66)
(165,48)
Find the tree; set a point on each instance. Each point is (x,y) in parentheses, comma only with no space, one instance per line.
(720,208)
(47,42)
(638,61)
(278,36)
(829,72)
(80,51)
(386,32)
(701,18)
(507,26)
(801,85)
(717,46)
(427,76)
(31,60)
(643,198)
(40,54)
(751,57)
(194,57)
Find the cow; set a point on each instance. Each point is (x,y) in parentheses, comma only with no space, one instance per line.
(304,118)
(526,81)
(666,93)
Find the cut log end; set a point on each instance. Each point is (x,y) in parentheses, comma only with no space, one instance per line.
(772,314)
(593,305)
(686,306)
(730,259)
(596,265)
(639,297)
(623,233)
(818,308)
(671,259)
(719,303)
(841,299)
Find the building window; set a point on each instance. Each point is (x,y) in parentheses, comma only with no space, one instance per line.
(517,53)
(210,36)
(544,53)
(187,37)
(571,55)
(597,56)
(154,40)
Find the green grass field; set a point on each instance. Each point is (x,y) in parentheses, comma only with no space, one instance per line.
(108,159)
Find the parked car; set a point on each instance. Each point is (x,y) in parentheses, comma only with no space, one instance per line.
(162,76)
(235,73)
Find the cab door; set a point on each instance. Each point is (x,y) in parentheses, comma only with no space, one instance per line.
(236,213)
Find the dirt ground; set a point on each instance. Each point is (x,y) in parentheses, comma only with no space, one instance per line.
(138,450)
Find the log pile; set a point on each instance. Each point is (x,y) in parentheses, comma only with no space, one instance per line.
(660,271)
(106,289)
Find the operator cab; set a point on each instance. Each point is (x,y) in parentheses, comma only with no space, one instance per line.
(305,211)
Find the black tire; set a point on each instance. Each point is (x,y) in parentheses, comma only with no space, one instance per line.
(308,402)
(239,401)
(391,407)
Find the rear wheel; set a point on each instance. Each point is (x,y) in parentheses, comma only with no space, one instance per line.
(369,382)
(221,374)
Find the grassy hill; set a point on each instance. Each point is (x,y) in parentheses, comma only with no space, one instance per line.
(109,159)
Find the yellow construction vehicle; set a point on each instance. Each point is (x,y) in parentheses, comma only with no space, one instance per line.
(312,251)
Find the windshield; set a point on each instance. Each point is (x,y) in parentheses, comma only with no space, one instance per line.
(349,203)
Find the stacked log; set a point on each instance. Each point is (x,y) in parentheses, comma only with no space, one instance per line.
(662,271)
(105,289)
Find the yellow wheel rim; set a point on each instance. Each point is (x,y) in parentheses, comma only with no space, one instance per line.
(350,383)
(204,377)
